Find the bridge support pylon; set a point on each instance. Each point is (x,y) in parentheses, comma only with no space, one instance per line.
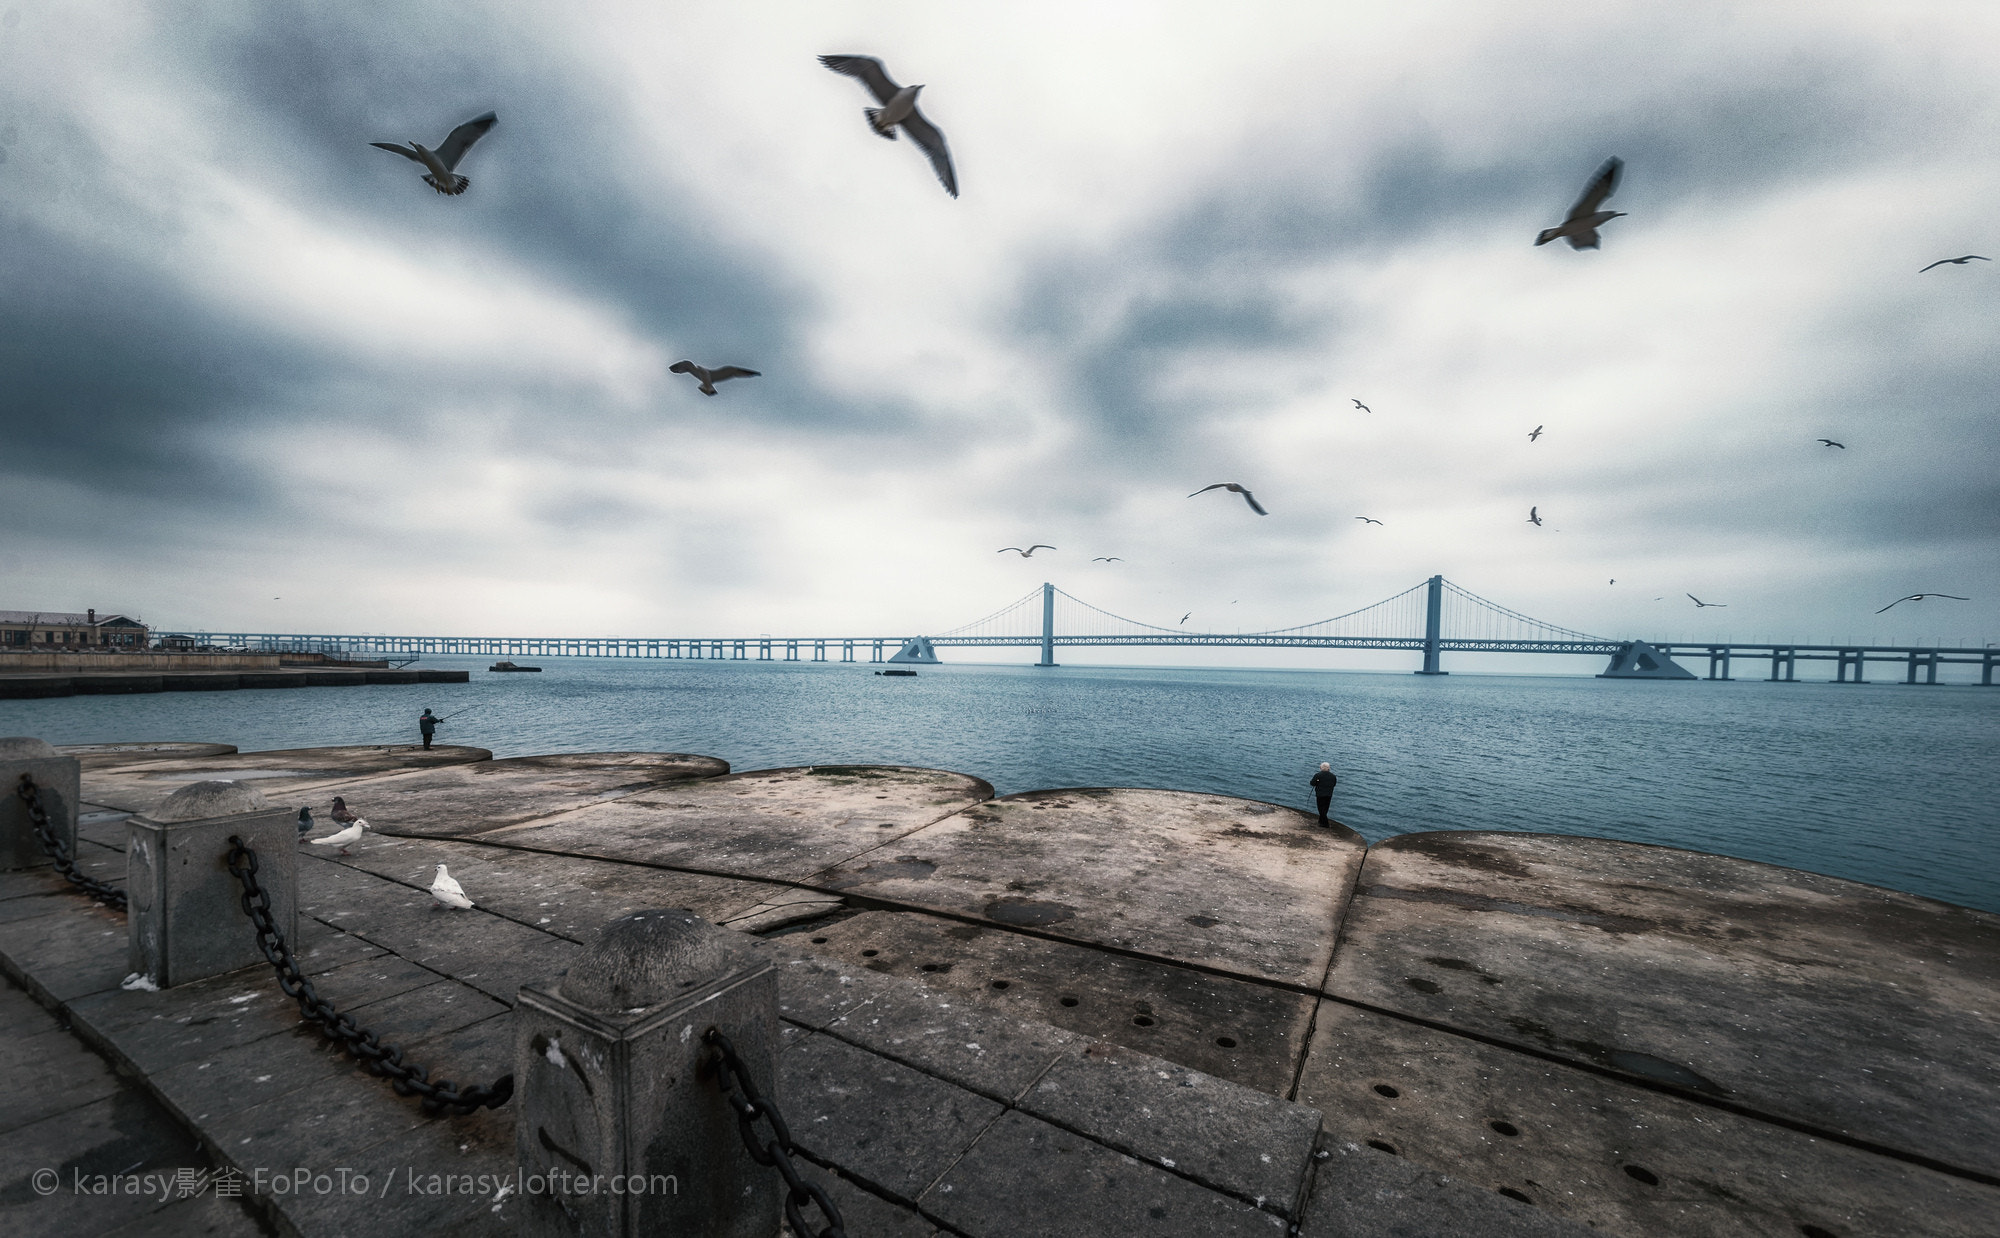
(1048,625)
(1433,623)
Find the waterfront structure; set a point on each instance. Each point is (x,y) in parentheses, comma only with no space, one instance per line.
(43,630)
(1429,618)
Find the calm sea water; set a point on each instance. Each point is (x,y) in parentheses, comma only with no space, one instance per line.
(1888,784)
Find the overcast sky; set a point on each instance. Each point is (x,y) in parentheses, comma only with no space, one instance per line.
(254,374)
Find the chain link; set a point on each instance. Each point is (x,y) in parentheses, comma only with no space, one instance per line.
(750,1105)
(385,1061)
(38,816)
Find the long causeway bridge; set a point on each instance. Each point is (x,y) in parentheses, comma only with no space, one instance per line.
(1430,618)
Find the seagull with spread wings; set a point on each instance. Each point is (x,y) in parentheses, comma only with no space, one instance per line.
(1534,434)
(1369,519)
(1698,603)
(1580,226)
(1957,262)
(1918,597)
(899,107)
(708,378)
(1830,443)
(1234,488)
(1534,517)
(443,162)
(1029,553)
(1363,407)
(1103,558)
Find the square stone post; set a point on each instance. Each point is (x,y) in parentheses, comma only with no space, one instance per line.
(56,783)
(185,908)
(620,1125)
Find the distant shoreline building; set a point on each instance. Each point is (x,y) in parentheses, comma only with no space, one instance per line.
(67,630)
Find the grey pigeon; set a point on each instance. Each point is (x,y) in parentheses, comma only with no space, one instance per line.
(444,161)
(899,107)
(1580,226)
(305,820)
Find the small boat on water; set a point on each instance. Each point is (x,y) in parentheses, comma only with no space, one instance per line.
(509,666)
(896,672)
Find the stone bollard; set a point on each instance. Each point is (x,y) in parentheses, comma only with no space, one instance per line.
(56,779)
(185,908)
(620,1127)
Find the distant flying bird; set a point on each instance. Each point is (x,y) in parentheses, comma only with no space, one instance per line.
(1233,488)
(1957,262)
(1699,603)
(1029,553)
(342,813)
(1534,434)
(899,107)
(305,820)
(446,890)
(1184,618)
(1103,558)
(1918,597)
(1363,407)
(442,161)
(1533,518)
(1580,226)
(1830,443)
(341,838)
(1614,580)
(708,378)
(1369,519)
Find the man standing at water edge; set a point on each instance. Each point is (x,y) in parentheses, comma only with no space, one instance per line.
(1322,785)
(429,725)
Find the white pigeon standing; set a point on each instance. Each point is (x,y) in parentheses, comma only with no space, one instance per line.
(899,107)
(341,838)
(443,161)
(445,889)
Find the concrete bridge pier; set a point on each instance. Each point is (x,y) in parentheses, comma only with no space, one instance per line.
(1927,660)
(1048,625)
(1433,625)
(1718,656)
(1850,656)
(1787,661)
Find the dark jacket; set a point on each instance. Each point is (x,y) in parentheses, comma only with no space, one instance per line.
(1323,783)
(427,724)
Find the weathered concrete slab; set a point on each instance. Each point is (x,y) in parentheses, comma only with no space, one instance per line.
(140,785)
(77,949)
(1362,1193)
(893,1127)
(1027,1177)
(1250,1144)
(115,756)
(491,953)
(1610,1155)
(977,1048)
(199,1216)
(777,823)
(1233,884)
(570,896)
(119,1136)
(46,1070)
(471,798)
(1247,1033)
(870,1214)
(1857,1010)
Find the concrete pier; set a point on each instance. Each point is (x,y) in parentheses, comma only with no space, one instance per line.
(1090,1010)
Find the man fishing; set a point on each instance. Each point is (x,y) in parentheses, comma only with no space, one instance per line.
(428,724)
(1322,785)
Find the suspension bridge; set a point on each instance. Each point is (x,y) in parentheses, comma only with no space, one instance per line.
(1430,618)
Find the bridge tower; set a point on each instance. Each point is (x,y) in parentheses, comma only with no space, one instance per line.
(1048,625)
(1433,622)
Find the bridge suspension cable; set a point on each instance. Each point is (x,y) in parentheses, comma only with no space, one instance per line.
(1467,616)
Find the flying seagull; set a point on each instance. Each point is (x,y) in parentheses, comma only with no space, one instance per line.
(1184,618)
(1699,603)
(1533,518)
(708,378)
(899,107)
(1918,597)
(445,158)
(1233,488)
(305,820)
(1534,434)
(1029,553)
(1369,519)
(1957,262)
(340,838)
(446,890)
(1580,226)
(1614,580)
(1103,558)
(1363,407)
(1830,443)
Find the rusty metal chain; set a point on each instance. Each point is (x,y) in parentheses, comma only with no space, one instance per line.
(385,1061)
(30,794)
(750,1105)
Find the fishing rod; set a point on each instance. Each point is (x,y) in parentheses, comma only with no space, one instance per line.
(468,709)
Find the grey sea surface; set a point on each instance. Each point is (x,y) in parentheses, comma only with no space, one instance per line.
(1888,784)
